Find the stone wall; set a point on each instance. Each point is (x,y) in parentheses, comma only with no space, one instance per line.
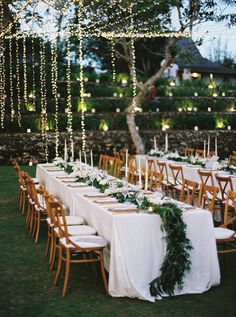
(29,146)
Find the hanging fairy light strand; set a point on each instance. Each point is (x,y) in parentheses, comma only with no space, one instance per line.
(81,81)
(54,76)
(2,72)
(113,60)
(18,83)
(133,62)
(24,60)
(69,104)
(43,91)
(33,94)
(11,81)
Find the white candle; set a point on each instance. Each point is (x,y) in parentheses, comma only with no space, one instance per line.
(155,143)
(216,150)
(72,151)
(139,172)
(85,158)
(146,175)
(80,159)
(65,152)
(204,149)
(126,163)
(91,158)
(208,145)
(166,143)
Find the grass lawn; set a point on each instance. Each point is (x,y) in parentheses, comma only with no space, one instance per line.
(26,282)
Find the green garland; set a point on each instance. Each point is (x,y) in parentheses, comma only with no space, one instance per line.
(177,258)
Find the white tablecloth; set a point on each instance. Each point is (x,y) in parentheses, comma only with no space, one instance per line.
(137,247)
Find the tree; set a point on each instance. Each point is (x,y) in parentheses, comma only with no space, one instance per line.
(130,24)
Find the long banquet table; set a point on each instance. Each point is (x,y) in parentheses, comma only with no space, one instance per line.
(136,243)
(189,171)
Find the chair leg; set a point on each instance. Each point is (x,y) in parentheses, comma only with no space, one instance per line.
(28,215)
(20,200)
(67,273)
(23,203)
(38,227)
(51,248)
(104,278)
(34,223)
(48,242)
(53,255)
(58,268)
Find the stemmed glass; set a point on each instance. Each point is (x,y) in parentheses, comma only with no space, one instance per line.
(160,192)
(139,199)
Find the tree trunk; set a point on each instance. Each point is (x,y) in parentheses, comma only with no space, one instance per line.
(143,88)
(130,119)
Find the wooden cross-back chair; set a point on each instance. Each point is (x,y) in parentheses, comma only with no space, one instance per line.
(166,184)
(232,160)
(22,176)
(132,174)
(189,151)
(188,191)
(36,208)
(117,168)
(199,153)
(225,184)
(208,197)
(206,177)
(226,234)
(103,159)
(152,165)
(177,178)
(155,180)
(75,226)
(76,249)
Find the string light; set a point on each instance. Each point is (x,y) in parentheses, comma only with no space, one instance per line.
(113,60)
(69,105)
(133,62)
(18,83)
(33,74)
(24,60)
(81,81)
(54,76)
(2,71)
(11,80)
(43,90)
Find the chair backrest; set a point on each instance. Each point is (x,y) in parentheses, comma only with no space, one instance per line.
(59,217)
(31,190)
(156,179)
(232,160)
(225,184)
(132,174)
(55,212)
(207,197)
(188,191)
(230,203)
(117,168)
(189,151)
(199,153)
(152,165)
(48,197)
(163,170)
(177,173)
(110,164)
(206,177)
(103,161)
